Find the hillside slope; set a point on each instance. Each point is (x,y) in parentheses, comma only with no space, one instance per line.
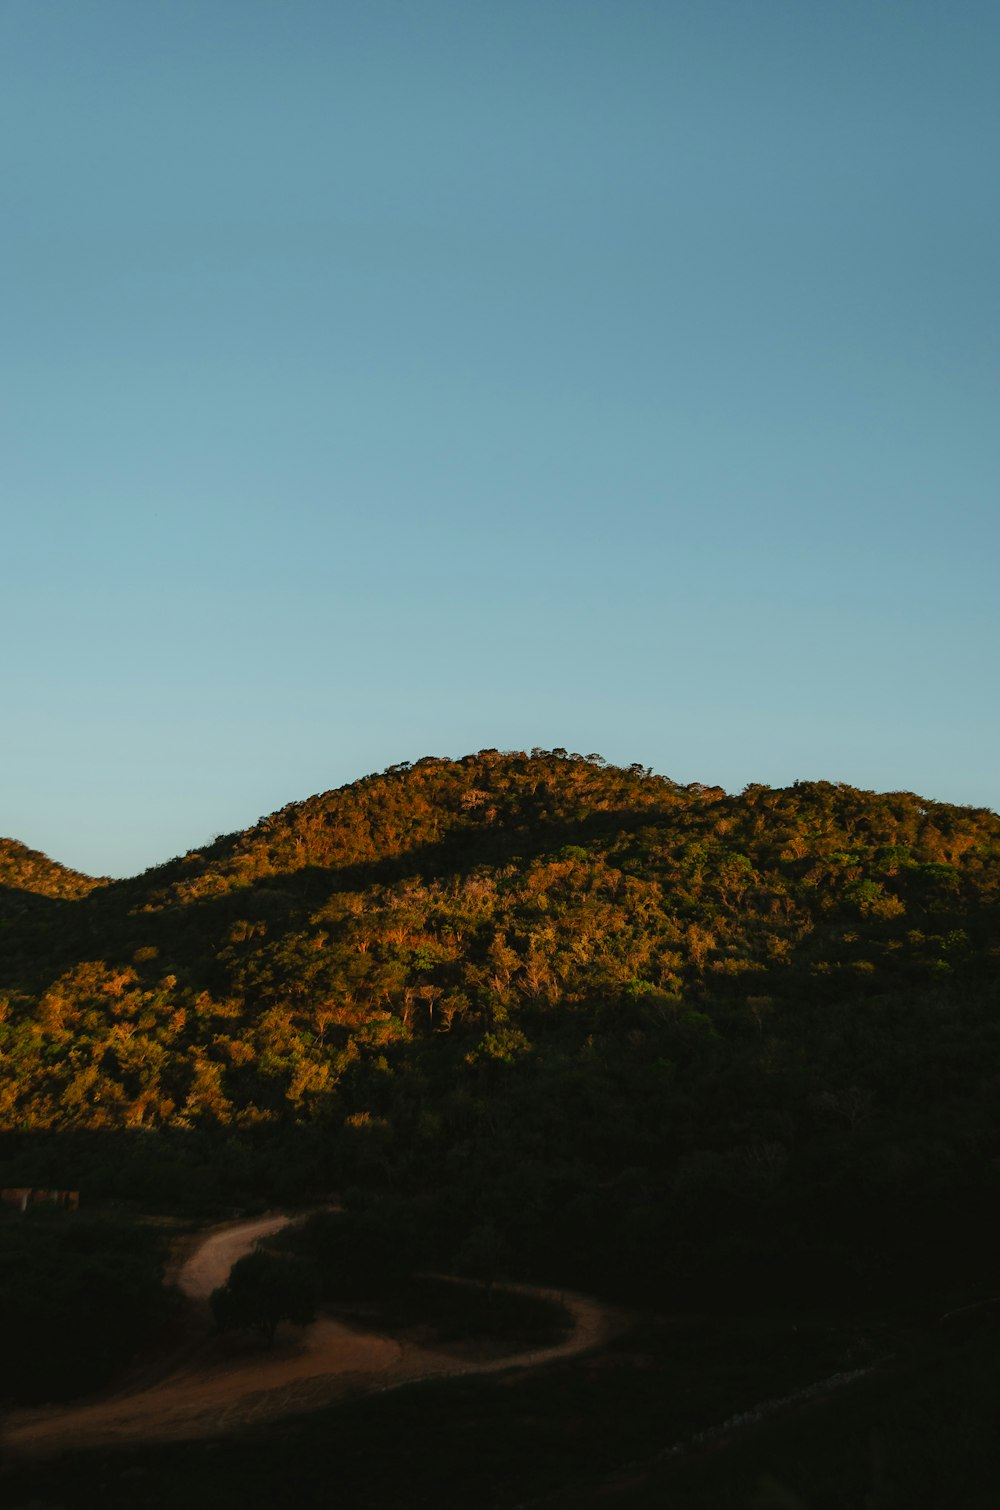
(553,989)
(28,879)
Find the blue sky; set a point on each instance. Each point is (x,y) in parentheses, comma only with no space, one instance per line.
(405,377)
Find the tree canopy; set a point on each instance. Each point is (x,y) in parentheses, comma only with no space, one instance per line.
(263,1290)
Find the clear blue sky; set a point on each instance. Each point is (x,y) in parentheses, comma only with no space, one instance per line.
(399,377)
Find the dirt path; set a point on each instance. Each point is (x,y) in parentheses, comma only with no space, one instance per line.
(231,1382)
(208,1266)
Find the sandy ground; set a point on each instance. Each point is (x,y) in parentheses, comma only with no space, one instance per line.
(231,1383)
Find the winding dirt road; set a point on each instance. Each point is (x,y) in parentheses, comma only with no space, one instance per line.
(229,1383)
(208,1266)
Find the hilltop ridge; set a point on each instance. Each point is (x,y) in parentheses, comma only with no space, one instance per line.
(422,803)
(26,875)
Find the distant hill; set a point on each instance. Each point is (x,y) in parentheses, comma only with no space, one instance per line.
(26,873)
(541,984)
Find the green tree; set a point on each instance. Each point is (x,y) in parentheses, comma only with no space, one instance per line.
(264,1289)
(482,1256)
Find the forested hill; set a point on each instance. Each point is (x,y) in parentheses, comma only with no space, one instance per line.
(241,980)
(541,963)
(26,875)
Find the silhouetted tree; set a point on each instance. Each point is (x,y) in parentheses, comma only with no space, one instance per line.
(264,1289)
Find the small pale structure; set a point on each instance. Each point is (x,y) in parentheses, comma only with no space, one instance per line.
(22,1197)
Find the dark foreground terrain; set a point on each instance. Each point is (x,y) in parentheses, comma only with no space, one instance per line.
(916,1433)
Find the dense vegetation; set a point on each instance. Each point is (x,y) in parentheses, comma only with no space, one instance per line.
(541,1016)
(575,1019)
